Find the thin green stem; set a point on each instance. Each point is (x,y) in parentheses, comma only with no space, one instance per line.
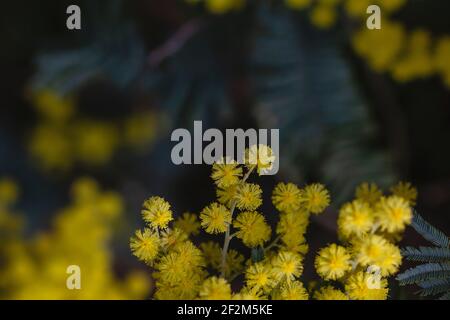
(228,237)
(273,244)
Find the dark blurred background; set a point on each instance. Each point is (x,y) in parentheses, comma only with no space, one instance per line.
(262,66)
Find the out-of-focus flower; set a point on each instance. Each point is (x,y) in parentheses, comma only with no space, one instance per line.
(358,287)
(36,268)
(440,58)
(406,191)
(393,214)
(355,219)
(189,223)
(369,193)
(391,37)
(417,61)
(140,129)
(9,192)
(297,4)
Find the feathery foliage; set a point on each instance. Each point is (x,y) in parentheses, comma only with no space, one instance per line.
(429,232)
(303,85)
(433,277)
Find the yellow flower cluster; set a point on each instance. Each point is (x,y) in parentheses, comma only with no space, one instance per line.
(185,271)
(405,55)
(219,6)
(81,234)
(368,226)
(62,138)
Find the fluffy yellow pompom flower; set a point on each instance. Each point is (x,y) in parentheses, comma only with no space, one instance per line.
(374,250)
(330,293)
(287,266)
(293,222)
(297,4)
(248,196)
(171,269)
(355,219)
(286,197)
(259,276)
(186,289)
(332,262)
(252,228)
(215,218)
(260,156)
(226,195)
(170,238)
(393,214)
(315,198)
(180,265)
(145,245)
(215,288)
(291,228)
(190,255)
(157,212)
(369,193)
(248,294)
(226,173)
(406,191)
(188,222)
(369,249)
(392,259)
(291,291)
(361,286)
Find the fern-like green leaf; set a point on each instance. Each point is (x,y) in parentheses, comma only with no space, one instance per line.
(446,296)
(426,254)
(429,232)
(303,86)
(433,287)
(424,272)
